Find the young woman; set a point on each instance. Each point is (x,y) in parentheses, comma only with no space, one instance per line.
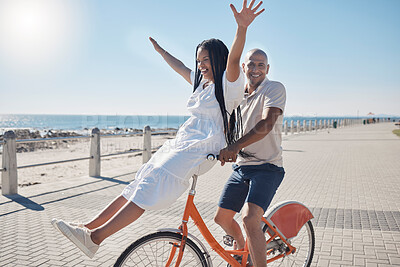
(218,88)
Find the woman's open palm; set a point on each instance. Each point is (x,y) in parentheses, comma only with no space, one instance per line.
(246,16)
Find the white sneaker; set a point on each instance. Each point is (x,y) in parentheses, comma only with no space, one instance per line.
(73,224)
(79,236)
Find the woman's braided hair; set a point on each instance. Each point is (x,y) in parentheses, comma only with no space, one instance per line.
(218,55)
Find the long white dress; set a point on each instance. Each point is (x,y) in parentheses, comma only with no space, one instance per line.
(165,177)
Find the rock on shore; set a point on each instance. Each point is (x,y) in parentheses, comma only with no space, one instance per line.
(23,134)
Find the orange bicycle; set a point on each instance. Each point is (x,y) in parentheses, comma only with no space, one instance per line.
(287,226)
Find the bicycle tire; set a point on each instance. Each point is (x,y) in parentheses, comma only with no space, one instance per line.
(304,243)
(154,249)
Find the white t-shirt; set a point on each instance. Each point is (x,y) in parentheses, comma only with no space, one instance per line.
(267,150)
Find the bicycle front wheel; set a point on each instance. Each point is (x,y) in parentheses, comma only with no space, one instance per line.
(159,248)
(304,243)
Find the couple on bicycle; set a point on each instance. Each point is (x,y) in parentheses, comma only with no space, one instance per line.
(236,112)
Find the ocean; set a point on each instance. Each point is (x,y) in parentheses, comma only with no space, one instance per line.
(109,122)
(83,122)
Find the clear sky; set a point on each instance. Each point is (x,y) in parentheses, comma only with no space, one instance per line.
(335,57)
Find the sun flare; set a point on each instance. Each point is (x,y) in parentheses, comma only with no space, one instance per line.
(37,34)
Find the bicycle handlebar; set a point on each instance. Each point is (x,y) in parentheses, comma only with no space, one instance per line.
(212,157)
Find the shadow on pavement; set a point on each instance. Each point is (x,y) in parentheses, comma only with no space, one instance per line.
(112,179)
(26,202)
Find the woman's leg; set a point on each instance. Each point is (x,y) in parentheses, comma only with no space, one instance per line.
(107,213)
(126,215)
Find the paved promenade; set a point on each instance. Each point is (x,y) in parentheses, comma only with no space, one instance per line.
(349,177)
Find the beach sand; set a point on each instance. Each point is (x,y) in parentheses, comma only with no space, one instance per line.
(80,149)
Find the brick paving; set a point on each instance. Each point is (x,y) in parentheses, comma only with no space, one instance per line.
(348,177)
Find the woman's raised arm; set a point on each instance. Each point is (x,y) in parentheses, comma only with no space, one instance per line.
(173,62)
(243,19)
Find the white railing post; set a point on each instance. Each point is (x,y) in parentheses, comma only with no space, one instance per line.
(9,177)
(310,125)
(304,126)
(285,128)
(94,161)
(316,125)
(146,144)
(298,126)
(291,127)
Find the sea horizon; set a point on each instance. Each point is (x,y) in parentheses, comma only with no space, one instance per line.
(78,123)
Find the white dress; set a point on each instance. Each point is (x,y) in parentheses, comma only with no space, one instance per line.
(165,177)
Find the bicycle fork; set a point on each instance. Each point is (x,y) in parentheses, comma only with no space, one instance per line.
(178,246)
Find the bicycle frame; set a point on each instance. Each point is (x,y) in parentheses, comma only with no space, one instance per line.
(192,212)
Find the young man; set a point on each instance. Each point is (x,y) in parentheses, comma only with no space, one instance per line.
(256,176)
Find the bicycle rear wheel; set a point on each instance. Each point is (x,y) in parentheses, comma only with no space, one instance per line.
(155,249)
(304,243)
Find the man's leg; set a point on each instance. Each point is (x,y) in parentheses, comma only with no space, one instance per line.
(107,213)
(231,201)
(224,218)
(264,181)
(252,214)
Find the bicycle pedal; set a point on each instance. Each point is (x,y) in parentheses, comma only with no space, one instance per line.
(228,240)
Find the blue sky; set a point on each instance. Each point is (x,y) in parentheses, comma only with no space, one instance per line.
(335,57)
